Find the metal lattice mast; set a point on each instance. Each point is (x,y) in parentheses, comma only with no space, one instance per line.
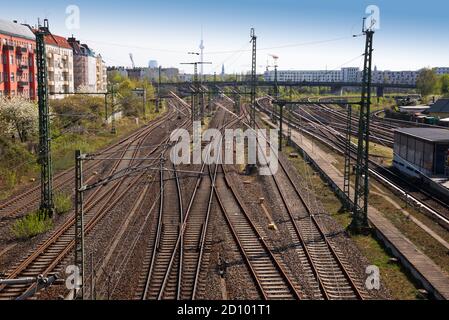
(347,181)
(253,79)
(236,99)
(290,118)
(360,212)
(281,124)
(113,128)
(158,101)
(196,88)
(46,204)
(79,222)
(215,85)
(276,91)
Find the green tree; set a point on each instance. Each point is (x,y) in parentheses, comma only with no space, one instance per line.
(444,84)
(427,82)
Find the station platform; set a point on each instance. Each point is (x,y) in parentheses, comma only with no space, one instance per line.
(423,269)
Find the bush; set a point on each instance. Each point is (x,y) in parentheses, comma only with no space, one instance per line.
(77,110)
(63,203)
(32,225)
(16,164)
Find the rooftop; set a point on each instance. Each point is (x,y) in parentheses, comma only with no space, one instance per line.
(57,41)
(15,30)
(441,105)
(426,134)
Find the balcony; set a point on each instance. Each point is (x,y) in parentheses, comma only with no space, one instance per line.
(22,84)
(8,47)
(21,49)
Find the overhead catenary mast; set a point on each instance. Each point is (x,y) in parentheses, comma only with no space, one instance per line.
(202,56)
(360,221)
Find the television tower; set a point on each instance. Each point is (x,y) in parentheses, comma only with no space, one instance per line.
(202,55)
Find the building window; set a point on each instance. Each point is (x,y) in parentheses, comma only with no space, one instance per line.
(12,77)
(11,59)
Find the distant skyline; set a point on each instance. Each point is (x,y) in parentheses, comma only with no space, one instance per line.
(306,35)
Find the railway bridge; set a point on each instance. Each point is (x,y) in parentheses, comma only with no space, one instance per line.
(336,86)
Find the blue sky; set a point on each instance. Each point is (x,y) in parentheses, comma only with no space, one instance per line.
(313,34)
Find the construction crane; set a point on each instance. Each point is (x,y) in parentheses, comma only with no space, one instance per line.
(132,60)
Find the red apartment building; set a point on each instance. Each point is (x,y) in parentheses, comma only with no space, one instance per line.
(17,61)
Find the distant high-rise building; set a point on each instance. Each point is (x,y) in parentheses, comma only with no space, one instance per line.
(222,72)
(152,64)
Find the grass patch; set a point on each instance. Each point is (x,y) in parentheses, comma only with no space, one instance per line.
(32,225)
(379,151)
(426,243)
(63,203)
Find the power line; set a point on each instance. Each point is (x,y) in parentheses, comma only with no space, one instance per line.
(224,51)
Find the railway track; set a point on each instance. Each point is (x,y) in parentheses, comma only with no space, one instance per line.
(327,270)
(268,272)
(330,268)
(272,279)
(435,207)
(174,259)
(28,200)
(49,255)
(168,227)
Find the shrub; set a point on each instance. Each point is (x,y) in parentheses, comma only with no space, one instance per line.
(32,225)
(63,203)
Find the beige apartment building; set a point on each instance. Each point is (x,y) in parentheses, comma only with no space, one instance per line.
(59,66)
(101,74)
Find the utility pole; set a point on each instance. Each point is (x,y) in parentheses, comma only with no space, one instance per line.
(158,100)
(290,118)
(79,223)
(236,99)
(143,92)
(281,122)
(46,205)
(113,128)
(276,87)
(197,95)
(106,107)
(196,88)
(347,181)
(144,98)
(360,211)
(253,79)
